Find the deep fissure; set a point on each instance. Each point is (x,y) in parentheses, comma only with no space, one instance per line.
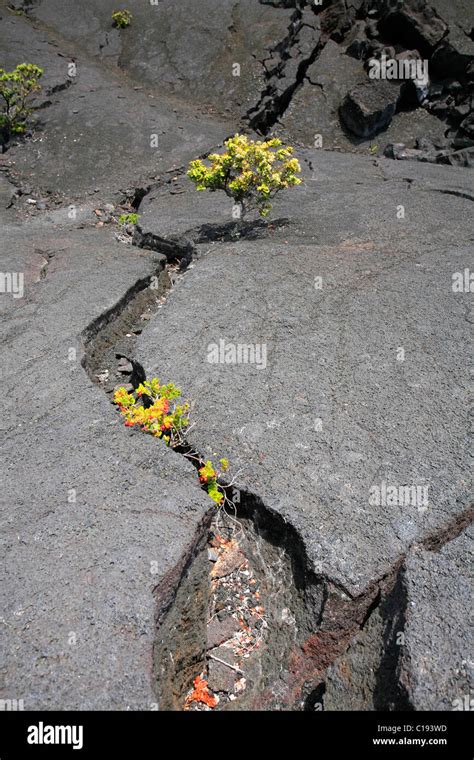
(314,628)
(311,622)
(271,106)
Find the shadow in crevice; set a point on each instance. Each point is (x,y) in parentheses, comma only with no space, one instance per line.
(286,582)
(389,692)
(239,230)
(182,248)
(315,700)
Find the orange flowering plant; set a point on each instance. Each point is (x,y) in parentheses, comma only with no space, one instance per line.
(201,693)
(210,478)
(153,407)
(159,414)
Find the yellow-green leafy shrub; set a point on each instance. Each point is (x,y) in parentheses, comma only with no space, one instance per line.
(250,172)
(209,476)
(125,219)
(16,89)
(122,18)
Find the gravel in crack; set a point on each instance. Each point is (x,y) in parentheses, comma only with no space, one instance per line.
(236,626)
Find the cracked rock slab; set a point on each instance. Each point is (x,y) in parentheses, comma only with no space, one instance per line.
(413,652)
(436,657)
(100,134)
(182,48)
(314,108)
(330,412)
(93,518)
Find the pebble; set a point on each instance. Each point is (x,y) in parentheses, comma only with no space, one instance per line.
(230,561)
(125,367)
(219,631)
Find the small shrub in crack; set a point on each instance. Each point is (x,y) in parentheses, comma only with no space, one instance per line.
(153,408)
(122,19)
(16,89)
(250,172)
(125,219)
(209,476)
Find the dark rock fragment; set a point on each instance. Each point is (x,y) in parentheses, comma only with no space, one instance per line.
(452,57)
(413,23)
(219,631)
(337,20)
(358,45)
(220,677)
(230,561)
(468,125)
(369,108)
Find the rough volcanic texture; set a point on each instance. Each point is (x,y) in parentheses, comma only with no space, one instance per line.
(333,402)
(86,508)
(314,108)
(101,134)
(305,100)
(349,288)
(186,48)
(290,66)
(436,664)
(413,651)
(367,109)
(353,681)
